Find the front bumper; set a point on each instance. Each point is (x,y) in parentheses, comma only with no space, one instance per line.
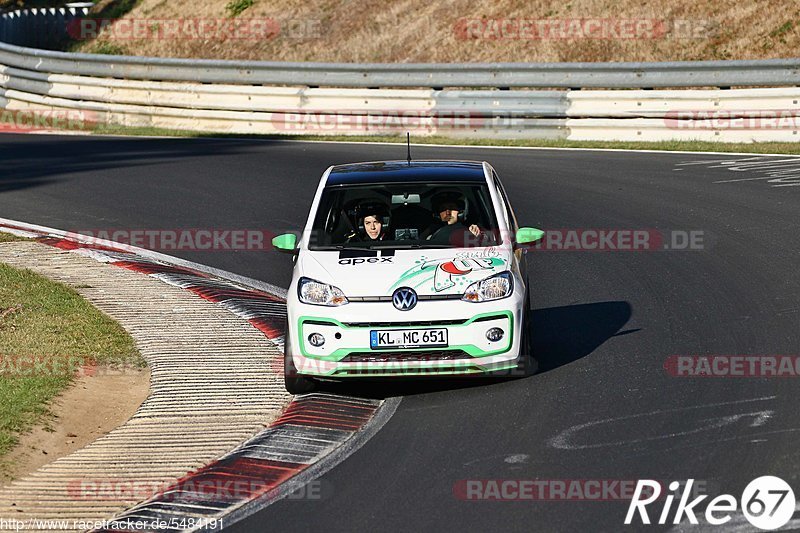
(347,353)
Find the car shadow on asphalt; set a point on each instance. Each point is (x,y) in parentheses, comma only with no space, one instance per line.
(561,335)
(38,160)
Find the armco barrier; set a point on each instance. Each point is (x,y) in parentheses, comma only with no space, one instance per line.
(426,99)
(772,72)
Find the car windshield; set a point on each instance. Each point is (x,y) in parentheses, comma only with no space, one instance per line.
(405,215)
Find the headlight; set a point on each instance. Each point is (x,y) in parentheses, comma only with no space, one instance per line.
(316,293)
(493,288)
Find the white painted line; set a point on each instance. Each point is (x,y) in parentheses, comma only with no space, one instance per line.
(401,144)
(149,254)
(744,179)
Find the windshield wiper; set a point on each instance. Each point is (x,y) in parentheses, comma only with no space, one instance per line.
(339,247)
(408,246)
(367,247)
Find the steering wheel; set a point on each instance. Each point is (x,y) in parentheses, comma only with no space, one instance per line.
(445,233)
(460,235)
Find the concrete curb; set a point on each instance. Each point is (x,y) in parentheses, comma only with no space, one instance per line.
(213,384)
(313,434)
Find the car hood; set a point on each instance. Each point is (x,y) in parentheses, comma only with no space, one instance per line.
(428,272)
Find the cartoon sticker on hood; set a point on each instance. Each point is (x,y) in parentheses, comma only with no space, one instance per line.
(447,273)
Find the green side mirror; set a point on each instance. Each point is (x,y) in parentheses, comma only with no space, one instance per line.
(528,235)
(286,243)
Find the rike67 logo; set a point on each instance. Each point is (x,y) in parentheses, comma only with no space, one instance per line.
(767,503)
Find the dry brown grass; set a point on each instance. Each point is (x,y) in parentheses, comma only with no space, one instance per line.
(419,31)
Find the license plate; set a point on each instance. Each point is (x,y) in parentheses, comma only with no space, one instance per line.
(408,338)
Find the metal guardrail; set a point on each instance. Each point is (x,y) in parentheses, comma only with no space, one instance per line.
(773,72)
(457,100)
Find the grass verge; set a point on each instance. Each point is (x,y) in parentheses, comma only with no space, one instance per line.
(680,146)
(689,146)
(47,333)
(7,237)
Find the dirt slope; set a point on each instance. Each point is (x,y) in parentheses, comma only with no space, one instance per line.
(464,30)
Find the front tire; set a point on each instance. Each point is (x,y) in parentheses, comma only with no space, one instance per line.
(299,384)
(527,364)
(294,382)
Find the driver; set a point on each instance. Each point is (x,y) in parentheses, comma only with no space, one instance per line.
(449,207)
(370,219)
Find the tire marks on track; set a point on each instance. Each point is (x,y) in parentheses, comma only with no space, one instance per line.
(777,172)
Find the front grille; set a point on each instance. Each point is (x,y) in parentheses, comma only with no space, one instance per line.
(318,323)
(405,357)
(432,371)
(423,324)
(488,318)
(420,297)
(420,324)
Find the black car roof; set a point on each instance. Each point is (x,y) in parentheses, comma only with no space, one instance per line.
(400,171)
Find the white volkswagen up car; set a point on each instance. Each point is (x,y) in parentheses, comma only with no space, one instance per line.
(407,269)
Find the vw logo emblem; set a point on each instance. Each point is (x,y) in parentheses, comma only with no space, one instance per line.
(404,299)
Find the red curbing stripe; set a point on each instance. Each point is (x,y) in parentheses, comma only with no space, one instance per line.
(341,402)
(331,408)
(328,412)
(317,419)
(319,423)
(204,294)
(334,405)
(68,244)
(20,228)
(266,476)
(235,480)
(156,268)
(321,415)
(246,464)
(224,294)
(267,329)
(233,471)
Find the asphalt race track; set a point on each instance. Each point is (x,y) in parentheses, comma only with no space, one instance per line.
(604,408)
